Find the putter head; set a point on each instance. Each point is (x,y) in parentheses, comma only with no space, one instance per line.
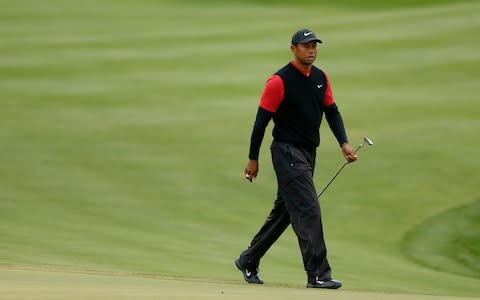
(368,141)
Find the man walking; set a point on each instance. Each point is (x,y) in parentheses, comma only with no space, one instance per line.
(296,97)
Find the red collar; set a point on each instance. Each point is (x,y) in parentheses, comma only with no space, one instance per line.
(301,69)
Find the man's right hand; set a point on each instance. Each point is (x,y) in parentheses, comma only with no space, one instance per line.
(251,170)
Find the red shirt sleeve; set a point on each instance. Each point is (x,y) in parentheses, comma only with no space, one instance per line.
(328,94)
(272,94)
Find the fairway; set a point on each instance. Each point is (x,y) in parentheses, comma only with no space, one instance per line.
(125,127)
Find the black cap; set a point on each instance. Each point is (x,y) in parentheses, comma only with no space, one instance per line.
(304,36)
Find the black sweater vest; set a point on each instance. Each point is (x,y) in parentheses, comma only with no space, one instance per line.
(298,118)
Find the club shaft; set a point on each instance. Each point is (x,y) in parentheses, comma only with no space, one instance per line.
(333,178)
(338,172)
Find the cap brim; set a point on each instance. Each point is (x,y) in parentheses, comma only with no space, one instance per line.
(308,40)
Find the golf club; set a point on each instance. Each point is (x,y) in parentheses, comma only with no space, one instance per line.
(367,141)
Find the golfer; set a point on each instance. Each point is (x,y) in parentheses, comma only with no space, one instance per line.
(295,97)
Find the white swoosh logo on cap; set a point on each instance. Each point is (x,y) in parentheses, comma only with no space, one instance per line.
(307,33)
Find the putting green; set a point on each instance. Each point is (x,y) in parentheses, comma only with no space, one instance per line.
(19,284)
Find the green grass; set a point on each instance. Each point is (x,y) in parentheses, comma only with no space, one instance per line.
(449,242)
(51,285)
(124,131)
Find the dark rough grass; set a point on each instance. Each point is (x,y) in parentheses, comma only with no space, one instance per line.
(449,241)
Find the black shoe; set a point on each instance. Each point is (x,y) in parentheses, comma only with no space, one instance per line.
(251,276)
(327,284)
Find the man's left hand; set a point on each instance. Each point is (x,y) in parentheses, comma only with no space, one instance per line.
(349,153)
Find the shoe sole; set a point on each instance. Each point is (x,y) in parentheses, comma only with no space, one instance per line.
(330,285)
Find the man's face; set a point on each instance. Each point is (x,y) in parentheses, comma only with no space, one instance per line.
(305,53)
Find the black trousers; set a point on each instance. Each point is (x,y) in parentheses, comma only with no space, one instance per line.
(296,204)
